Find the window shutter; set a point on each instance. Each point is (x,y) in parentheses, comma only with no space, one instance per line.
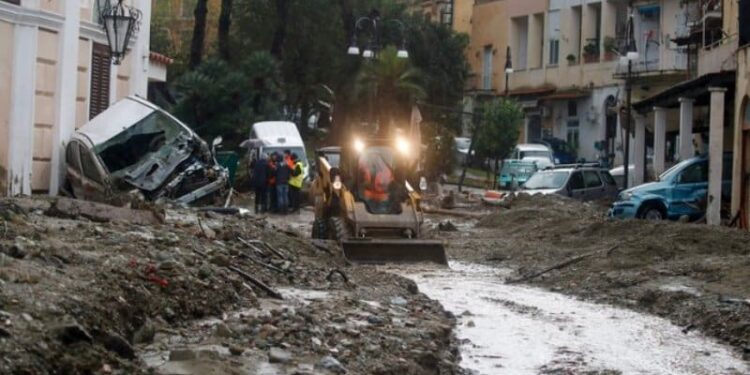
(100,74)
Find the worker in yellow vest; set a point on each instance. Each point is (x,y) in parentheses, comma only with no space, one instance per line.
(295,183)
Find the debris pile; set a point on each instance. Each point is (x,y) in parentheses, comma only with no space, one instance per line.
(79,296)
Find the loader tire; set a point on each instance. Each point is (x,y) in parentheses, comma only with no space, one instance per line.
(319,229)
(337,229)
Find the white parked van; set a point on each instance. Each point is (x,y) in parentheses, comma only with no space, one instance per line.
(539,153)
(268,137)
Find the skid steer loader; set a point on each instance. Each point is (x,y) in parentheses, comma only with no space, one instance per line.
(366,203)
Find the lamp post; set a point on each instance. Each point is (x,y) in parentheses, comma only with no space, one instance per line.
(508,69)
(630,55)
(120,22)
(373,45)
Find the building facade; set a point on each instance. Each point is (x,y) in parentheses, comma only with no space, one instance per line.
(55,75)
(741,168)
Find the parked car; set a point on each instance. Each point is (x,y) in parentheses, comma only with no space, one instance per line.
(136,146)
(535,152)
(681,190)
(515,172)
(584,182)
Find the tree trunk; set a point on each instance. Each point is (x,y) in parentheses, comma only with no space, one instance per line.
(282,16)
(225,21)
(199,33)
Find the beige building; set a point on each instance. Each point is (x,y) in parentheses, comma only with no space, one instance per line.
(741,168)
(455,13)
(56,75)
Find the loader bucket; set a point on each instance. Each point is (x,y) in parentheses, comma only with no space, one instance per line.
(367,250)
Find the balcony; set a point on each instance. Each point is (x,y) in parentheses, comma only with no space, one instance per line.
(718,57)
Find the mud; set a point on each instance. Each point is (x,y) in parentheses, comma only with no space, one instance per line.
(83,297)
(694,275)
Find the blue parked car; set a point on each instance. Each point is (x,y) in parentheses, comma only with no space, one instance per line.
(681,190)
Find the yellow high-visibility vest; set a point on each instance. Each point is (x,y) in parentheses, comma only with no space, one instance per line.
(296,181)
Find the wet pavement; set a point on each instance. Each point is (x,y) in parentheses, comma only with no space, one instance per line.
(509,329)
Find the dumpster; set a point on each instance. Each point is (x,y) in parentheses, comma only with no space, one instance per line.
(229,160)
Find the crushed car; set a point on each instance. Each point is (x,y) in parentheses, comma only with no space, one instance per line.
(136,148)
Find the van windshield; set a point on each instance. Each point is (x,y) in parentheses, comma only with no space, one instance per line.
(533,154)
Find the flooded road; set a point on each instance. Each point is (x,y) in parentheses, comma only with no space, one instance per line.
(510,329)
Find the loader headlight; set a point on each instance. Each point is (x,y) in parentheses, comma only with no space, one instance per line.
(359,146)
(422,184)
(337,183)
(402,145)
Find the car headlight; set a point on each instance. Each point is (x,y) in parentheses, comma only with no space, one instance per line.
(359,146)
(626,196)
(402,145)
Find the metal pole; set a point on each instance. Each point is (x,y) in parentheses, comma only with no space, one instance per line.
(506,83)
(629,90)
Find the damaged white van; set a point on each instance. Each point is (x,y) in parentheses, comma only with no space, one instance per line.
(136,147)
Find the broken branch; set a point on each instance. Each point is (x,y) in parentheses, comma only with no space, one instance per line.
(562,264)
(270,291)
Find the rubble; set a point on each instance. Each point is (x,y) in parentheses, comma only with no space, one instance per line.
(115,296)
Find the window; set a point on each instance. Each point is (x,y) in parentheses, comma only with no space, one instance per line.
(90,169)
(608,178)
(446,13)
(572,109)
(591,179)
(554,37)
(695,173)
(520,28)
(100,74)
(576,181)
(71,156)
(487,68)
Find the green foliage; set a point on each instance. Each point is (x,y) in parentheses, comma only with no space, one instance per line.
(440,156)
(499,128)
(216,99)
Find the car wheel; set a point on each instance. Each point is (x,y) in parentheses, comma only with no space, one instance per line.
(652,212)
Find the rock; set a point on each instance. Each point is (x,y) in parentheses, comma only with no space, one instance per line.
(220,260)
(304,369)
(278,355)
(19,250)
(168,265)
(236,350)
(4,332)
(471,323)
(331,364)
(71,333)
(447,226)
(205,271)
(375,320)
(27,317)
(178,355)
(399,301)
(145,334)
(115,343)
(223,330)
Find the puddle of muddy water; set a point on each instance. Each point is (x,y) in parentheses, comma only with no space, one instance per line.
(510,329)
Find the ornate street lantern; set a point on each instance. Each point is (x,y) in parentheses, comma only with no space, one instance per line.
(120,22)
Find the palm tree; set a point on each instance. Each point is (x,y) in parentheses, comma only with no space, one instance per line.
(392,85)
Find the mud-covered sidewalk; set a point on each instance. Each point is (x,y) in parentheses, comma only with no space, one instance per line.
(201,293)
(695,275)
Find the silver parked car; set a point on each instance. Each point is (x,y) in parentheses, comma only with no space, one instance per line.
(135,146)
(584,182)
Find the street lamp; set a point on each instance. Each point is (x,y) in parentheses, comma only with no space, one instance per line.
(373,45)
(120,22)
(630,55)
(508,68)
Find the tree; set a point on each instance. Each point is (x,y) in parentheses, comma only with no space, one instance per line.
(225,22)
(199,33)
(499,129)
(392,85)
